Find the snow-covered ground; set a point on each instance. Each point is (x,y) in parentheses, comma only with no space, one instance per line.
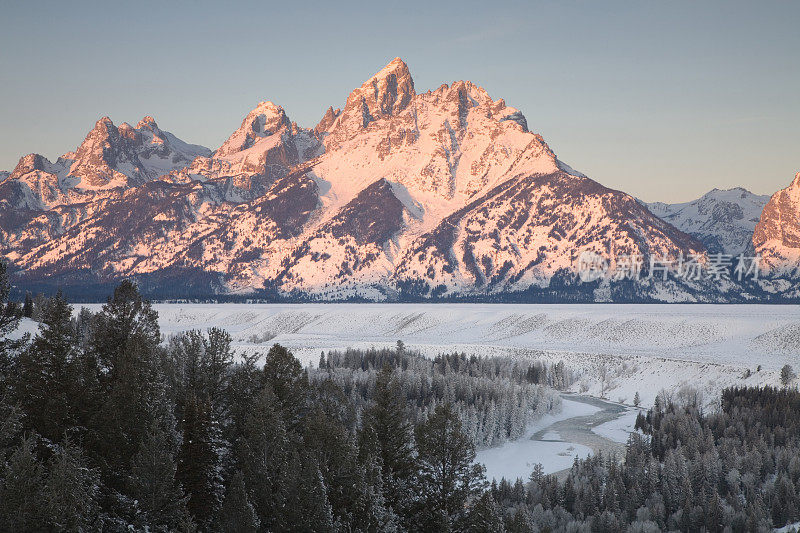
(517,458)
(642,348)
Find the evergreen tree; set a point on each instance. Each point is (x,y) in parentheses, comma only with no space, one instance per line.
(198,469)
(238,514)
(46,373)
(27,306)
(284,374)
(263,457)
(388,421)
(485,516)
(153,485)
(448,478)
(787,375)
(131,388)
(9,320)
(71,491)
(309,510)
(21,490)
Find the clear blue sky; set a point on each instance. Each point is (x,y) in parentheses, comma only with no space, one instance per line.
(664,100)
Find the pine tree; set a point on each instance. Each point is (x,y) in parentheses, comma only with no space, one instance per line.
(152,482)
(131,388)
(9,320)
(263,456)
(485,516)
(238,514)
(218,358)
(387,420)
(309,510)
(71,490)
(21,490)
(27,306)
(46,377)
(520,522)
(198,469)
(787,375)
(289,383)
(447,474)
(636,399)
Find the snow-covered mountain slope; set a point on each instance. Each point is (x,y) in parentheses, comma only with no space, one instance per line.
(777,236)
(399,194)
(40,199)
(723,220)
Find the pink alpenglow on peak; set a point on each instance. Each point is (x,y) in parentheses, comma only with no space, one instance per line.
(400,194)
(777,235)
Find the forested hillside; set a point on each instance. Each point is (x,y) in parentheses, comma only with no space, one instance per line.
(107,426)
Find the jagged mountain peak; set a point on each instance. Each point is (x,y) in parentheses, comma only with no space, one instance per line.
(147,122)
(396,67)
(265,120)
(386,94)
(327,120)
(109,158)
(29,163)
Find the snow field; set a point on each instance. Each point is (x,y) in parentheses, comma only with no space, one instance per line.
(640,348)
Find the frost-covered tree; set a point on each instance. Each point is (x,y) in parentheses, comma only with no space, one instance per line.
(787,375)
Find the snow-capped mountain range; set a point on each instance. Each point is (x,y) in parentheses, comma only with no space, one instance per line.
(723,220)
(397,195)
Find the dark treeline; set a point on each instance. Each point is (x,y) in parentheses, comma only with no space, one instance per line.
(494,397)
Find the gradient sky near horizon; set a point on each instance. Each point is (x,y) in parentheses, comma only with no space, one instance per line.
(664,100)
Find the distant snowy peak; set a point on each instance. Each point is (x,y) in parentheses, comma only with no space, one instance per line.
(266,120)
(385,94)
(110,157)
(267,143)
(41,199)
(777,235)
(114,157)
(723,220)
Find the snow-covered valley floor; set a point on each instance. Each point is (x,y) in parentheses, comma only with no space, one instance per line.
(640,348)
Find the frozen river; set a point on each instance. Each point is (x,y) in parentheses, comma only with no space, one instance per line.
(584,426)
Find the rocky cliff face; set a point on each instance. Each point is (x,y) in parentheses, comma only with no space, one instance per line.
(445,193)
(777,235)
